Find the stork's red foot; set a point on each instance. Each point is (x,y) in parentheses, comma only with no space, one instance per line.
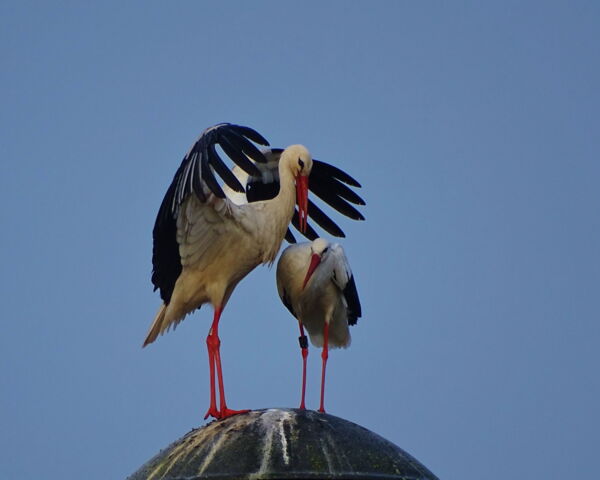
(226,412)
(213,412)
(322,410)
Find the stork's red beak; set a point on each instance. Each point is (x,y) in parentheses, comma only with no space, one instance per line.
(314,263)
(302,199)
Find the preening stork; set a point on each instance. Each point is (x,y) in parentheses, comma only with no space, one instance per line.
(315,283)
(208,236)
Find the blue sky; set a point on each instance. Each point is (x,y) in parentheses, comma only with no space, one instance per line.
(473,128)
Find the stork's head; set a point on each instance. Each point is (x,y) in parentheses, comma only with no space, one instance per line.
(319,250)
(300,162)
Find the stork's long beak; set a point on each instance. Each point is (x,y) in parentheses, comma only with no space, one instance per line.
(314,263)
(302,199)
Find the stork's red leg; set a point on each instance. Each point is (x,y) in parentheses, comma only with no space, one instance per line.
(212,344)
(224,412)
(324,356)
(304,347)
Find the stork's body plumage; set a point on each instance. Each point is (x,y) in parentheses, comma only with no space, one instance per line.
(315,283)
(208,236)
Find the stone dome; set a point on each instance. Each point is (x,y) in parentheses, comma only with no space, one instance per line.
(282,444)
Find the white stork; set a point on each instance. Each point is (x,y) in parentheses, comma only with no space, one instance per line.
(208,236)
(315,283)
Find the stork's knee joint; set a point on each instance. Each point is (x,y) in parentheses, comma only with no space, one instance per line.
(212,341)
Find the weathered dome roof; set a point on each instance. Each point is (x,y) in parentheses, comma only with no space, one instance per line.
(282,444)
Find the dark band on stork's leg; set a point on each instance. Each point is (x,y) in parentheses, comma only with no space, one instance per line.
(324,356)
(304,347)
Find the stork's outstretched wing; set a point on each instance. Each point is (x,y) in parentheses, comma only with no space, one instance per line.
(255,177)
(196,176)
(327,182)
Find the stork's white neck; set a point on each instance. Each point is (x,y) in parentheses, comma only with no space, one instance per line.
(286,198)
(278,213)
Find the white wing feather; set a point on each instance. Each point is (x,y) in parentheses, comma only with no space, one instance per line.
(341,267)
(204,229)
(238,198)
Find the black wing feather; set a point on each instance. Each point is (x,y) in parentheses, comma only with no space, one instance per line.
(352,300)
(335,186)
(322,191)
(258,190)
(245,146)
(238,157)
(324,221)
(286,301)
(223,170)
(328,170)
(165,250)
(310,232)
(208,176)
(289,236)
(251,134)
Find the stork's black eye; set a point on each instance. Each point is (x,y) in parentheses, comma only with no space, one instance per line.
(301,163)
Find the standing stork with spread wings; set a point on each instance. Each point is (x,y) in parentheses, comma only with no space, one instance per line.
(208,236)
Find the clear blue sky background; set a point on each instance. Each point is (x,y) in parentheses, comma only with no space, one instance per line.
(474,130)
